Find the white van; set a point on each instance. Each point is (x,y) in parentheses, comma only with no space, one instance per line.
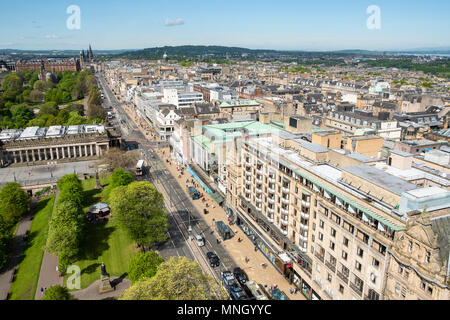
(200,240)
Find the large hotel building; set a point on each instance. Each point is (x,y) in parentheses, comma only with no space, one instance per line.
(339,226)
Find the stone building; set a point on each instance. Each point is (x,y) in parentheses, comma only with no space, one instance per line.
(55,143)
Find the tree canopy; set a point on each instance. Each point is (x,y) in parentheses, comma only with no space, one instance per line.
(177,279)
(57,293)
(144,265)
(120,177)
(139,208)
(14,202)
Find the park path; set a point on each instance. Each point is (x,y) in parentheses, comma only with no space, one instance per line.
(48,275)
(15,256)
(91,292)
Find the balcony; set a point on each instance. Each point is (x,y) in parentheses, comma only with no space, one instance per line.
(356,289)
(320,257)
(303,238)
(248,173)
(271,180)
(304,227)
(306,204)
(285,232)
(258,190)
(271,200)
(248,182)
(270,219)
(259,171)
(285,200)
(285,190)
(284,222)
(259,200)
(247,197)
(258,209)
(259,181)
(271,190)
(330,266)
(304,250)
(285,211)
(248,165)
(270,210)
(342,277)
(304,215)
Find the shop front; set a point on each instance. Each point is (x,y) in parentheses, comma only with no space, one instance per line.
(304,287)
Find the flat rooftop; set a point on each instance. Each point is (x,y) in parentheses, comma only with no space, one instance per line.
(381,179)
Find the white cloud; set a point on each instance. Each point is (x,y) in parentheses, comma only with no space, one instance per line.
(171,23)
(52,36)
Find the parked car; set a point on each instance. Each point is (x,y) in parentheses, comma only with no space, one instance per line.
(200,240)
(234,288)
(213,259)
(240,275)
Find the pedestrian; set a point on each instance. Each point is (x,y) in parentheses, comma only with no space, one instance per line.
(256,248)
(218,241)
(42,290)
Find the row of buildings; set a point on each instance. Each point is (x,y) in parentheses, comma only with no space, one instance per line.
(345,193)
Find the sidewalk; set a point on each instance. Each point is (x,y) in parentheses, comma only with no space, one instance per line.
(48,275)
(238,251)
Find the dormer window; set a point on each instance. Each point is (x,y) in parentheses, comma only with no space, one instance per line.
(410,246)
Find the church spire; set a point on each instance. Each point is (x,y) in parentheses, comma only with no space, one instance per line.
(91,54)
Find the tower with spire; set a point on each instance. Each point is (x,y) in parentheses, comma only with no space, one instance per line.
(90,53)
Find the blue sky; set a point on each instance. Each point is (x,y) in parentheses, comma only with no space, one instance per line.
(268,24)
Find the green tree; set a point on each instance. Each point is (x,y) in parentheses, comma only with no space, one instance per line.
(21,115)
(120,177)
(95,108)
(12,86)
(48,108)
(70,189)
(65,232)
(139,208)
(57,293)
(5,239)
(144,265)
(39,85)
(14,202)
(177,279)
(36,96)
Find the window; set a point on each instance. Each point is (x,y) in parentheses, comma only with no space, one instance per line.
(423,286)
(318,267)
(404,292)
(410,247)
(375,263)
(341,288)
(427,257)
(333,233)
(332,245)
(373,278)
(400,269)
(406,275)
(321,224)
(330,278)
(430,290)
(358,266)
(320,236)
(313,239)
(397,288)
(360,252)
(344,255)
(314,227)
(345,242)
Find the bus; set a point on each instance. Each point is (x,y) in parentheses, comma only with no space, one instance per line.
(224,231)
(140,168)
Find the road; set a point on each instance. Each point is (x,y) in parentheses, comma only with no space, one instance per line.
(182,212)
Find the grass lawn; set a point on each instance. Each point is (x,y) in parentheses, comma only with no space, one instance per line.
(24,286)
(106,243)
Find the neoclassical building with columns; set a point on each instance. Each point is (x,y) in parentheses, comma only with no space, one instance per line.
(55,144)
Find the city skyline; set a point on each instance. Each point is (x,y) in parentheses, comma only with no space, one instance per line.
(285,25)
